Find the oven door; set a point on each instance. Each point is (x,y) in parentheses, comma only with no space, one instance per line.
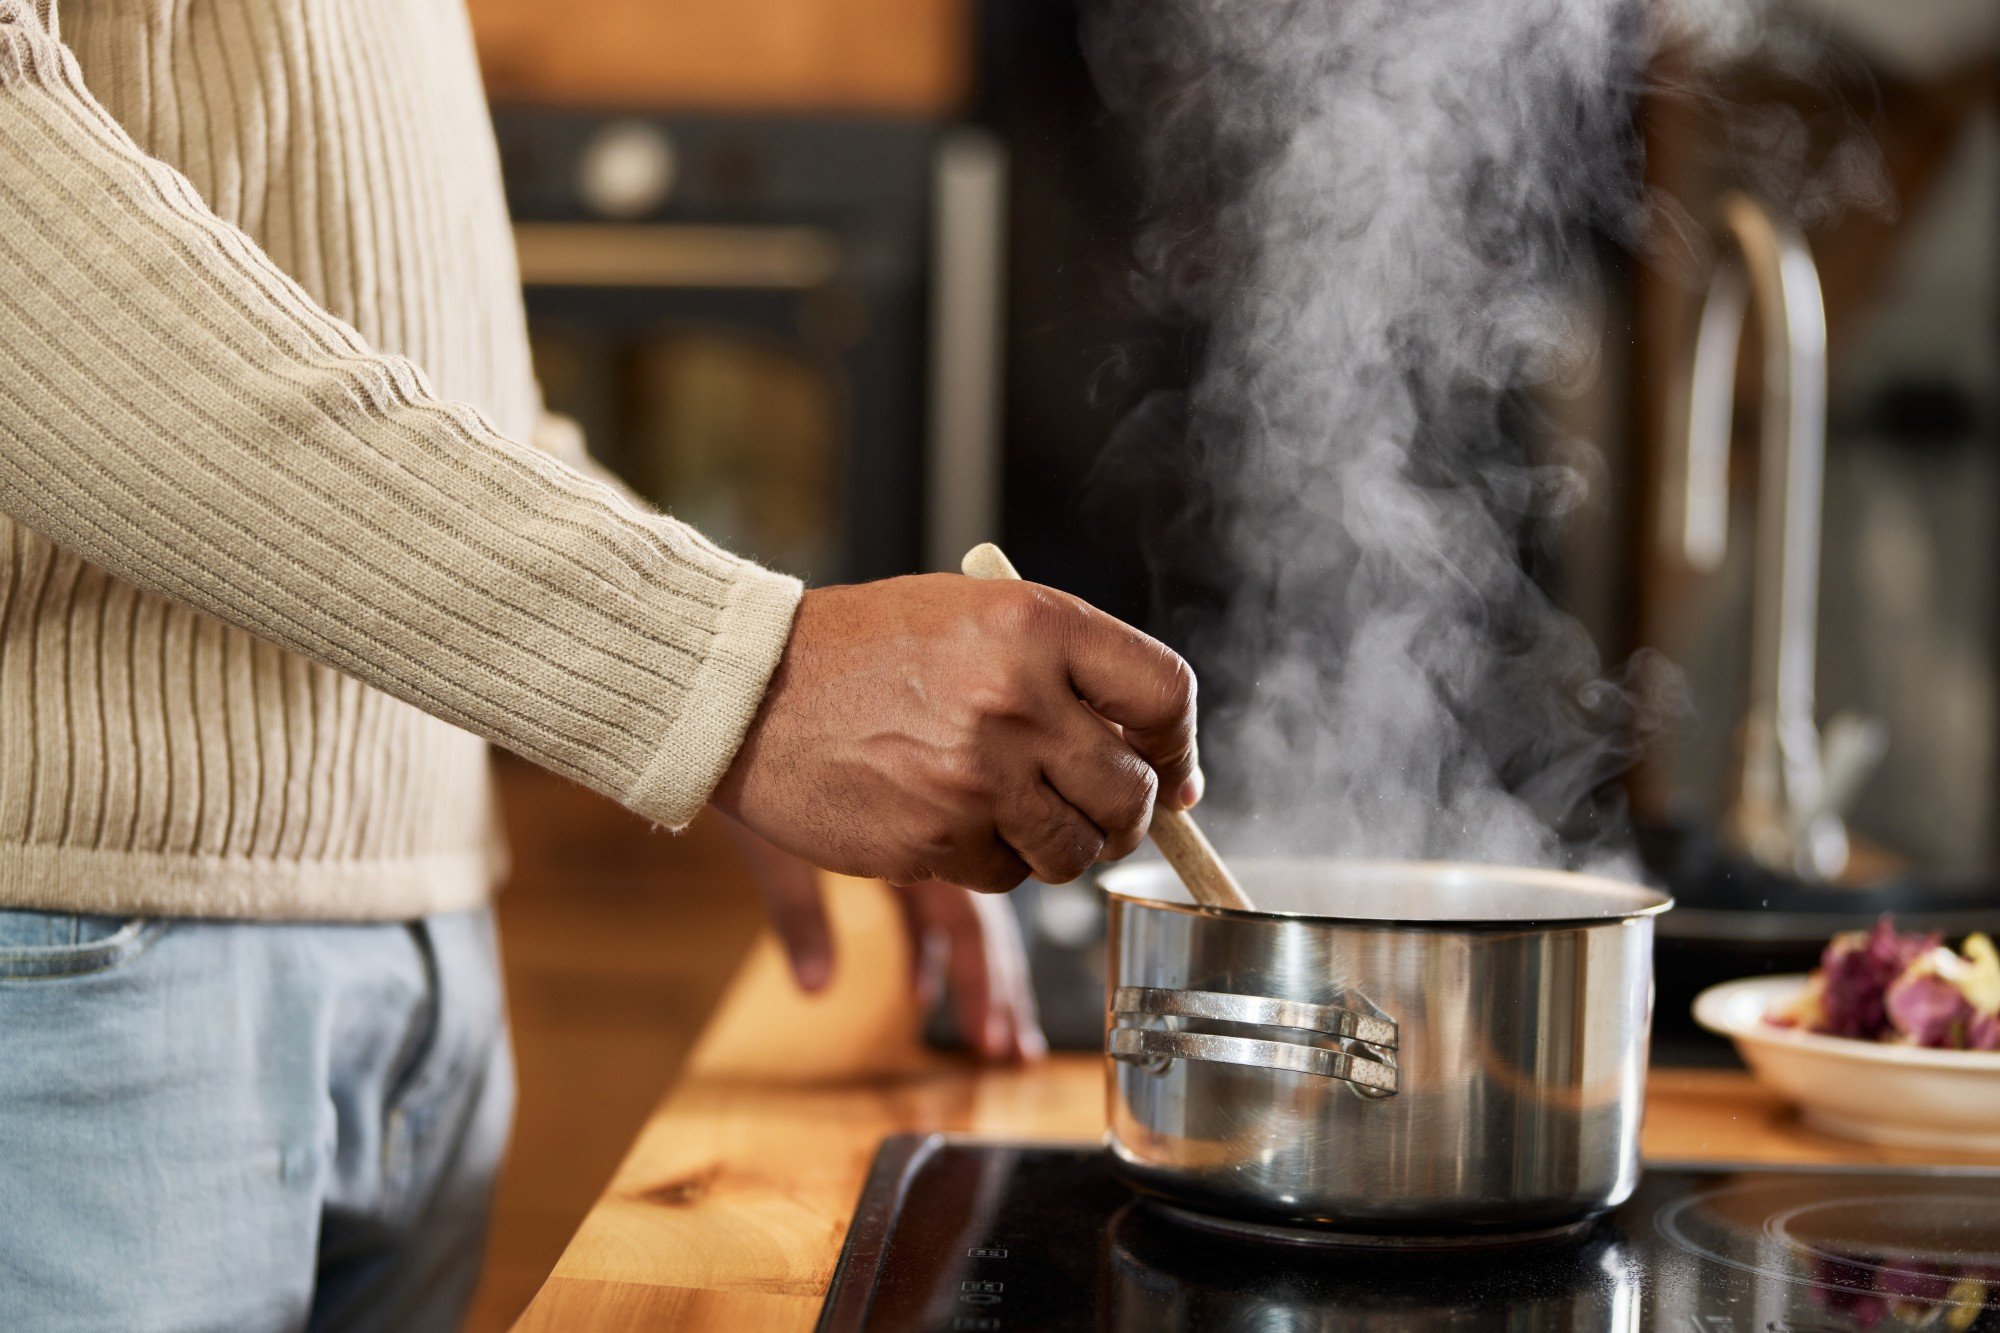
(784,331)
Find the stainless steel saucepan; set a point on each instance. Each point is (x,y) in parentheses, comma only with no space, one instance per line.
(1384,1048)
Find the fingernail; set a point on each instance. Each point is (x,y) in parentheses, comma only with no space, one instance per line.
(993,1037)
(813,972)
(1034,1046)
(1192,789)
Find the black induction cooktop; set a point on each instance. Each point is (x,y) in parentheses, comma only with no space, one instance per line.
(974,1237)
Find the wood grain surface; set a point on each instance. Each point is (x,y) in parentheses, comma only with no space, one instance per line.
(730,1209)
(618,941)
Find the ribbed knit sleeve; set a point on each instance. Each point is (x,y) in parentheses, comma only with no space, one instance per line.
(177,410)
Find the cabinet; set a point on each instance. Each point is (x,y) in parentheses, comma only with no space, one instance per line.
(909,57)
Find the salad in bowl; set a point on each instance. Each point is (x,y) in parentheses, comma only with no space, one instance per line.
(1894,1038)
(1883,985)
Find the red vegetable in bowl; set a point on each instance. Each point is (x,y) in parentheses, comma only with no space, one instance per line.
(1929,1010)
(1857,970)
(1881,985)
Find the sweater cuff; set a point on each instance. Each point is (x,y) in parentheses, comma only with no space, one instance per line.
(751,630)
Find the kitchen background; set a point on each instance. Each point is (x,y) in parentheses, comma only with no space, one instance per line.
(848,283)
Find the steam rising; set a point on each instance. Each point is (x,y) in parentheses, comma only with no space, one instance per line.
(1380,211)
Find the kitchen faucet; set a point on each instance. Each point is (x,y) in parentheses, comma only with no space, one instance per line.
(1793,785)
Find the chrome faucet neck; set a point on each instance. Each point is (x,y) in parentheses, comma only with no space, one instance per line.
(1786,811)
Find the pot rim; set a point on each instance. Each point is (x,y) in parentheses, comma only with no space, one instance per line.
(1641,901)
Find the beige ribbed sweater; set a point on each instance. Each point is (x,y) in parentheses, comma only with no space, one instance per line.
(274,550)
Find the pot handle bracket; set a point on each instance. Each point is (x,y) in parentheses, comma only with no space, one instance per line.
(1363,1056)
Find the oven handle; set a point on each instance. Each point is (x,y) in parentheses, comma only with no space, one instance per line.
(676,255)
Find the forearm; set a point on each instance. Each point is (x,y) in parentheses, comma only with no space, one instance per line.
(175,409)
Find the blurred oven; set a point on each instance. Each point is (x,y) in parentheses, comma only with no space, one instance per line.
(784,330)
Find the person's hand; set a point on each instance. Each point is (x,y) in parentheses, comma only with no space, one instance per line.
(970,939)
(973,941)
(940,727)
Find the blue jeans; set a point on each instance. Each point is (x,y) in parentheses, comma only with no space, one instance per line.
(247,1126)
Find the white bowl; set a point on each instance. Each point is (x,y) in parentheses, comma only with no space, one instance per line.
(1906,1096)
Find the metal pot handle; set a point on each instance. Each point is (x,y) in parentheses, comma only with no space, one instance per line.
(1144,1045)
(1263,1010)
(1370,1064)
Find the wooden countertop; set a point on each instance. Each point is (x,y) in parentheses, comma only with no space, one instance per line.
(729,1211)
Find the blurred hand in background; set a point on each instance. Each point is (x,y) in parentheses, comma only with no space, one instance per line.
(965,942)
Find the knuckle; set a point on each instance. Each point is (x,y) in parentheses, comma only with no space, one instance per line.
(1116,851)
(1048,609)
(1177,686)
(998,696)
(1076,853)
(1122,847)
(961,774)
(1014,607)
(1133,801)
(1057,843)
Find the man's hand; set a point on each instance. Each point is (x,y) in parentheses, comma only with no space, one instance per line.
(973,941)
(970,939)
(940,727)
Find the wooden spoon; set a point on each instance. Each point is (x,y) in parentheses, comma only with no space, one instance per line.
(1176,835)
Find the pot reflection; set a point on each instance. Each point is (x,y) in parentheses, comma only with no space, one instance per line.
(1888,1252)
(1163,1276)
